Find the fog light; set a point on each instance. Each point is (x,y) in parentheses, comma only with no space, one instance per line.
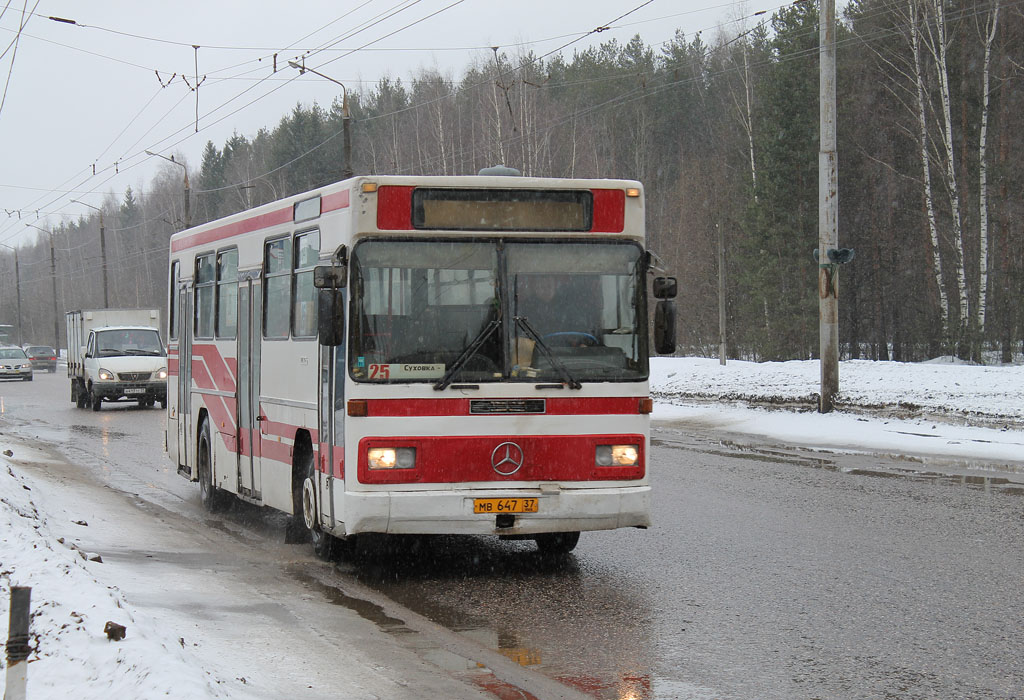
(617,455)
(391,457)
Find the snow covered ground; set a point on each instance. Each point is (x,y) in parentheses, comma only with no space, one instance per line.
(941,408)
(938,408)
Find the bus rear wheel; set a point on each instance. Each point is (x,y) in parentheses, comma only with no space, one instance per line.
(213,498)
(553,543)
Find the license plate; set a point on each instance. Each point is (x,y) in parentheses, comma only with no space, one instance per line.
(138,390)
(504,505)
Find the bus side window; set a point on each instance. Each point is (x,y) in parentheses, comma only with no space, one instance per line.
(277,288)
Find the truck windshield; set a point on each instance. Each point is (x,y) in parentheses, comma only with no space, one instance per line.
(133,341)
(526,311)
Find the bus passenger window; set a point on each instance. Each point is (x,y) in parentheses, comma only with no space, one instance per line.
(277,271)
(205,280)
(227,293)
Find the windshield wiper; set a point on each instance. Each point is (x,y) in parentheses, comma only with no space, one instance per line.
(468,353)
(563,371)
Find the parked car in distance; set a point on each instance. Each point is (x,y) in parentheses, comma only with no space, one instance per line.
(42,356)
(14,364)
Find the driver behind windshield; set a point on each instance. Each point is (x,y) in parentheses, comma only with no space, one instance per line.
(557,307)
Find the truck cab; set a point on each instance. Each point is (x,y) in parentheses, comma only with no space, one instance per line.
(124,362)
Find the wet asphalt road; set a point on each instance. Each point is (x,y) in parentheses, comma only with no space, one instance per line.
(770,572)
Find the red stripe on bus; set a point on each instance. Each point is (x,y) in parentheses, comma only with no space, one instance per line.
(269,427)
(333,202)
(458,459)
(255,223)
(408,408)
(223,377)
(276,451)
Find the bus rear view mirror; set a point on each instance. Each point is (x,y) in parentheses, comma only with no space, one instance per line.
(664,287)
(330,321)
(330,277)
(665,327)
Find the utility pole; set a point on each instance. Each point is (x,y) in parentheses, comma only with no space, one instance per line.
(828,210)
(17,283)
(53,274)
(188,214)
(721,294)
(346,139)
(103,253)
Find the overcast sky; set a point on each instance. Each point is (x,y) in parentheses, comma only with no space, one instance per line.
(111,85)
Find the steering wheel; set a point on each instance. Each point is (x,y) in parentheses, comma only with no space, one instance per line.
(574,338)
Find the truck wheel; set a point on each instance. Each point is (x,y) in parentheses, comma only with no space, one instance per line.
(213,498)
(97,401)
(81,398)
(323,543)
(555,543)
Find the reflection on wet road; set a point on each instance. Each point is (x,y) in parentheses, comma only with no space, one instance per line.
(769,572)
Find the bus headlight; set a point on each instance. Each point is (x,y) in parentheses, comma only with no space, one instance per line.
(617,455)
(391,457)
(105,375)
(162,373)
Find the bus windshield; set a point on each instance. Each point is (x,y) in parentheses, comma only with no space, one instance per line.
(497,310)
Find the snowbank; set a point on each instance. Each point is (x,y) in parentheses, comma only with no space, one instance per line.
(72,656)
(983,393)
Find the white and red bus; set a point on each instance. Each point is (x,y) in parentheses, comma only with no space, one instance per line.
(421,355)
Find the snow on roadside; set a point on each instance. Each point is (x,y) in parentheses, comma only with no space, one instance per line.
(967,391)
(70,607)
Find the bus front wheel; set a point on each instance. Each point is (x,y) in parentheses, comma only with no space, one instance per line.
(323,543)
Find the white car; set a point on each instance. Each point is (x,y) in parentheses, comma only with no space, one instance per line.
(15,364)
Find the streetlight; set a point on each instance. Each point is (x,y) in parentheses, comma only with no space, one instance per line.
(17,282)
(188,216)
(103,251)
(347,172)
(53,273)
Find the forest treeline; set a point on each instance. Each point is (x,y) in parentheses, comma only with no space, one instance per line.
(724,136)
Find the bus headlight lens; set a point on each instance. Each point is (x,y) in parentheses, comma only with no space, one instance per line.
(391,457)
(617,455)
(105,374)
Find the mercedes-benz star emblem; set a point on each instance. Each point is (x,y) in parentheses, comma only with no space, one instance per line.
(507,458)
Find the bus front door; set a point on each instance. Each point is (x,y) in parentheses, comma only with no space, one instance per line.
(250,311)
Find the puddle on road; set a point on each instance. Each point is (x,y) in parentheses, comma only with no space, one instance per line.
(364,608)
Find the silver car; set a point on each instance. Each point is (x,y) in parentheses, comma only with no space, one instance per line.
(15,364)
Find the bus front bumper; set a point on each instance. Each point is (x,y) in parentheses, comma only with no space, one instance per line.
(451,512)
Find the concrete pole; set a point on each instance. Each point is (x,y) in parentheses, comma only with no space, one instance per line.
(56,315)
(721,295)
(103,256)
(18,643)
(828,210)
(17,290)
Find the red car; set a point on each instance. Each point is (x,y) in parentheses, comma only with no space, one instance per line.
(42,356)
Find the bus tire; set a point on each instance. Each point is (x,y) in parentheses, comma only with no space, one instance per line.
(323,543)
(554,543)
(213,498)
